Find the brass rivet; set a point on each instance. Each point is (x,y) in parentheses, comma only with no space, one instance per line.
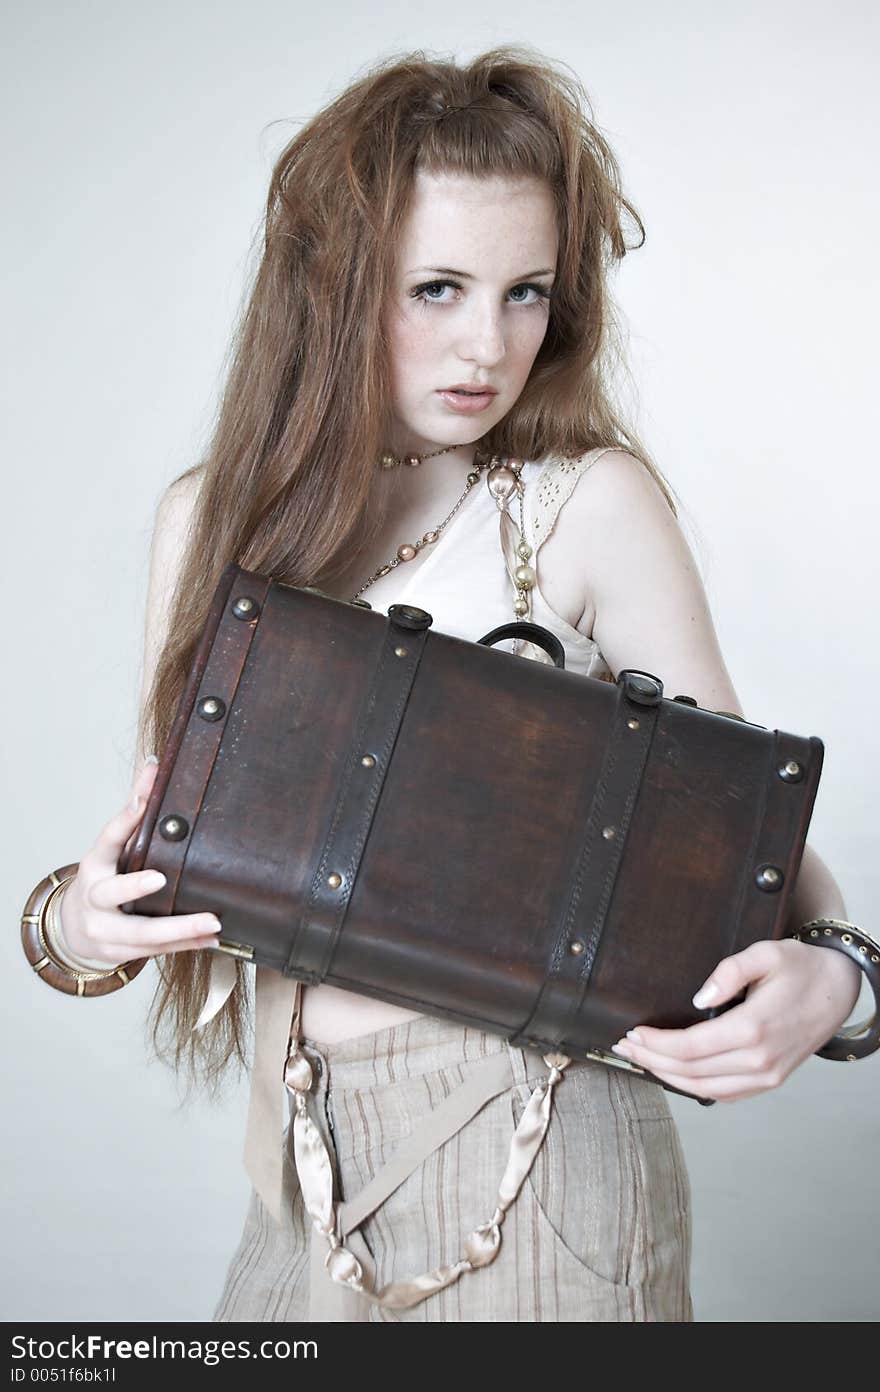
(334,880)
(791,771)
(850,1058)
(846,937)
(769,878)
(609,833)
(244,607)
(874,957)
(864,951)
(173,828)
(576,947)
(400,652)
(827,932)
(368,761)
(211,708)
(814,932)
(633,724)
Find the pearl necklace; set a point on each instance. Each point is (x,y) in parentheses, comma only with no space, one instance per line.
(408,550)
(504,480)
(390,461)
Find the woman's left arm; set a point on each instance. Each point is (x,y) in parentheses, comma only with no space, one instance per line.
(650,612)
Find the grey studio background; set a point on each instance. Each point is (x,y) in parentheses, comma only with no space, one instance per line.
(138,142)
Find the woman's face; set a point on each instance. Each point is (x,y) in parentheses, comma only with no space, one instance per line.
(476,262)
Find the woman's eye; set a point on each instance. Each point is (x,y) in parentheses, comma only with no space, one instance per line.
(426,293)
(422,292)
(540,293)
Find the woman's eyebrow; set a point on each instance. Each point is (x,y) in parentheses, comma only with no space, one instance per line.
(466,275)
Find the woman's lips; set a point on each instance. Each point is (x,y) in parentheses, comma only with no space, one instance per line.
(467,403)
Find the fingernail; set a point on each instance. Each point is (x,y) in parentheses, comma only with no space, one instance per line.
(151,759)
(634,1034)
(621,1049)
(135,802)
(705,994)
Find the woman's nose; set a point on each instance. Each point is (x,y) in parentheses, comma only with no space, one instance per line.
(482,338)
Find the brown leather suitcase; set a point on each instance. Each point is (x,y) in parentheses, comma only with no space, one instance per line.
(461,831)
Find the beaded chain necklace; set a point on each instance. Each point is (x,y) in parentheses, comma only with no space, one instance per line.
(503,480)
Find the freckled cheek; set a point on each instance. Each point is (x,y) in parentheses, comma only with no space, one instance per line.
(522,350)
(414,352)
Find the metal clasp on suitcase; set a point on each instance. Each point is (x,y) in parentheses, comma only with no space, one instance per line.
(242,950)
(602,1056)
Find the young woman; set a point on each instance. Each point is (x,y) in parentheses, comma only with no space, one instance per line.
(433,295)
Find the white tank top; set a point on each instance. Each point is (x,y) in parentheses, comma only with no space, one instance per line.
(464,582)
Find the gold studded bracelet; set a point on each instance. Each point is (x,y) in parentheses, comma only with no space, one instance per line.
(851,1041)
(52,961)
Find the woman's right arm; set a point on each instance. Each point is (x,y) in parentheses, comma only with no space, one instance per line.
(92,923)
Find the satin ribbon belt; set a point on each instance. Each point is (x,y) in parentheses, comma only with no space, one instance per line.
(339,1250)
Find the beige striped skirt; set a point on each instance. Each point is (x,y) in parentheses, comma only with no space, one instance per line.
(599,1230)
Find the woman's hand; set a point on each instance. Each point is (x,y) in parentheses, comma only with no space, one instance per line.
(797,997)
(92,923)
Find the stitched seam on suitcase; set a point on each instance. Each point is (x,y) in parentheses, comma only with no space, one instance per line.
(640,750)
(808,754)
(638,753)
(347,806)
(583,862)
(295,962)
(739,915)
(232,672)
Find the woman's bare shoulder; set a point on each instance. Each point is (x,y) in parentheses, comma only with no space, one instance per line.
(615,485)
(642,587)
(179,497)
(616,480)
(171,530)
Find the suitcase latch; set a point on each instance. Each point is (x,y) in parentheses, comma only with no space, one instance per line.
(410,616)
(601,1056)
(243,950)
(642,687)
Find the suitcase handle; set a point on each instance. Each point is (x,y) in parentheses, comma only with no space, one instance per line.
(521,628)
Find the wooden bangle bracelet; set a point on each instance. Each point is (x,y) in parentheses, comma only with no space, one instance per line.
(36,938)
(852,1041)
